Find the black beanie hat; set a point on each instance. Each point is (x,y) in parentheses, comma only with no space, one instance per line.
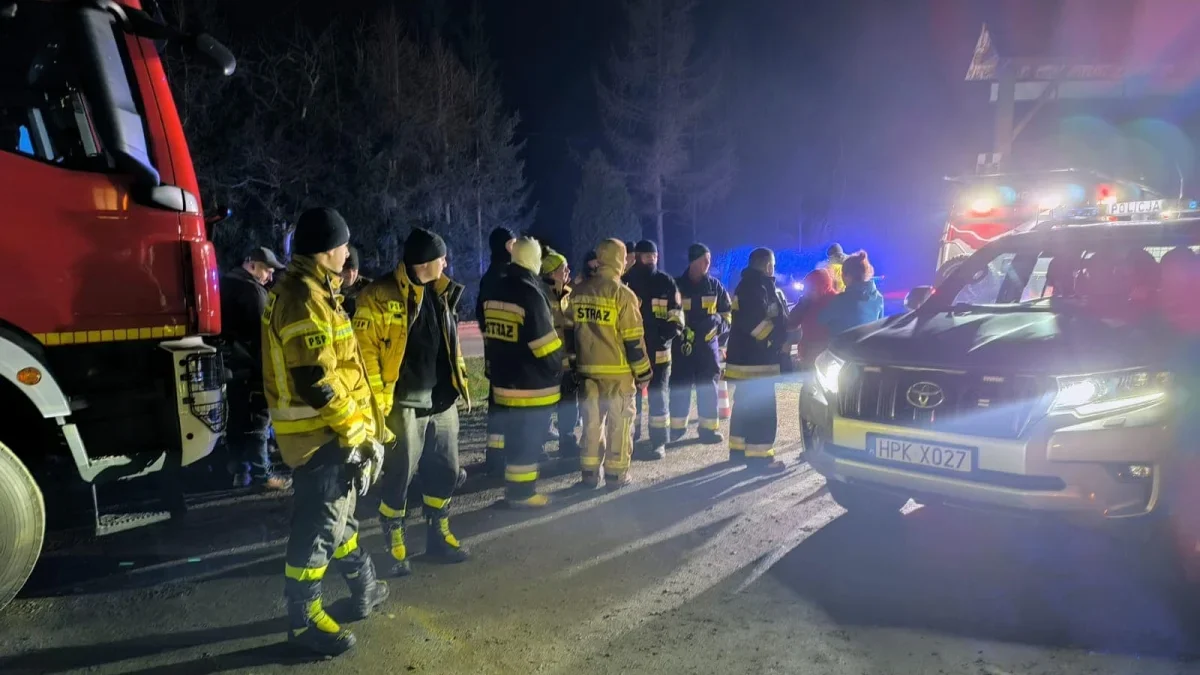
(319,230)
(423,246)
(498,241)
(645,246)
(697,251)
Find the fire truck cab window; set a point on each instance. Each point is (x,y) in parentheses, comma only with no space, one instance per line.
(43,113)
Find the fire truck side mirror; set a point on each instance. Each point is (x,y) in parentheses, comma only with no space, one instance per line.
(216,52)
(917,297)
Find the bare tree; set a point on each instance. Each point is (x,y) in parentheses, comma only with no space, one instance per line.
(652,97)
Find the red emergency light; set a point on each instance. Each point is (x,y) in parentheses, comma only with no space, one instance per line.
(1106,194)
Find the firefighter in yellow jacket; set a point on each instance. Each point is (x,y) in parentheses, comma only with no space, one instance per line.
(555,275)
(610,349)
(327,427)
(407,324)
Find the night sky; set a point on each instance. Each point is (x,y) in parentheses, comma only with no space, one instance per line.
(878,83)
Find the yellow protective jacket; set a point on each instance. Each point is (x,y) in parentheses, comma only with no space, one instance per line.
(606,321)
(381,322)
(313,373)
(559,301)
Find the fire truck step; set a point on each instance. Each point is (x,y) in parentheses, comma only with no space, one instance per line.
(111,523)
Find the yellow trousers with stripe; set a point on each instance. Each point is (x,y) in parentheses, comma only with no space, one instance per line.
(608,413)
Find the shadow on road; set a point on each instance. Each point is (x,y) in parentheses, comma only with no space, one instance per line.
(70,658)
(989,578)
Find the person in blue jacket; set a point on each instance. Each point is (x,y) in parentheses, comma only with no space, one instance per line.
(860,303)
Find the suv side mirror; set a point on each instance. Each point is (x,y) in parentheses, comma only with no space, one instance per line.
(917,297)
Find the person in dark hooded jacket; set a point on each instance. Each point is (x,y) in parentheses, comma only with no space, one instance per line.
(860,303)
(500,241)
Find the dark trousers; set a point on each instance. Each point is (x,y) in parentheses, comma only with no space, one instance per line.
(568,416)
(657,392)
(753,420)
(323,530)
(494,453)
(522,431)
(684,377)
(424,442)
(248,433)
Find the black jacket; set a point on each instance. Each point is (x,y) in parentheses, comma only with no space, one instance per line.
(759,330)
(350,294)
(243,301)
(488,284)
(662,312)
(706,314)
(523,350)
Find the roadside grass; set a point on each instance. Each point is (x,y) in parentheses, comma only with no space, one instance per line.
(477,383)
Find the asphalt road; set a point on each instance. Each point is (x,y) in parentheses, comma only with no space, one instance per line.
(697,568)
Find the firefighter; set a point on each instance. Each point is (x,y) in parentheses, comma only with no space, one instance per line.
(696,357)
(500,242)
(610,357)
(662,316)
(352,282)
(555,275)
(408,328)
(589,268)
(328,429)
(525,360)
(757,348)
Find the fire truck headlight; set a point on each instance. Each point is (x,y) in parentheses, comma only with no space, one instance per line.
(982,204)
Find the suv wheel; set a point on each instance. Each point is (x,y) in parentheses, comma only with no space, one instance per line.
(863,501)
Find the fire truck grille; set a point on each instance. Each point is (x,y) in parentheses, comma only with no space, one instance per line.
(954,402)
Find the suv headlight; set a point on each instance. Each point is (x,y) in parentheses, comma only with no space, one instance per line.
(1109,392)
(827,368)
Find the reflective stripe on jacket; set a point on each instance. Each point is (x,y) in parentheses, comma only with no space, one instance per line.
(559,300)
(759,330)
(385,310)
(313,375)
(523,350)
(607,329)
(662,311)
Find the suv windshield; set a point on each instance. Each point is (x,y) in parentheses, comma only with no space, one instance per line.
(1105,275)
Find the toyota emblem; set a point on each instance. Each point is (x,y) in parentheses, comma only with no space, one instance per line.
(925,395)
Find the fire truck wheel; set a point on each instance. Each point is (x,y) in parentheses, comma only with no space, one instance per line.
(948,267)
(22,524)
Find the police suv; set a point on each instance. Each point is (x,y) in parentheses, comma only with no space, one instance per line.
(1043,375)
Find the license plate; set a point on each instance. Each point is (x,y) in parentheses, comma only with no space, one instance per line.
(921,453)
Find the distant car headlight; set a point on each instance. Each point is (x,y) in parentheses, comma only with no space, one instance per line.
(1110,392)
(827,368)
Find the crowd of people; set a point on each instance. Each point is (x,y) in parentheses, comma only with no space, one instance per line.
(360,380)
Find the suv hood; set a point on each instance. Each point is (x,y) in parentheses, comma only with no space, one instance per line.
(1037,342)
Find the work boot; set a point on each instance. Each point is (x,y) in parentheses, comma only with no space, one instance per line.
(676,435)
(709,437)
(653,454)
(366,591)
(773,466)
(393,532)
(309,626)
(589,480)
(612,482)
(536,501)
(440,542)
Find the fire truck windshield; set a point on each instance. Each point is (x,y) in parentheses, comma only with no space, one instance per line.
(43,112)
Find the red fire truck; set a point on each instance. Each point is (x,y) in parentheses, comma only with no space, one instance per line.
(989,206)
(110,282)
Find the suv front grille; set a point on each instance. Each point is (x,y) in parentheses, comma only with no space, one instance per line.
(955,402)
